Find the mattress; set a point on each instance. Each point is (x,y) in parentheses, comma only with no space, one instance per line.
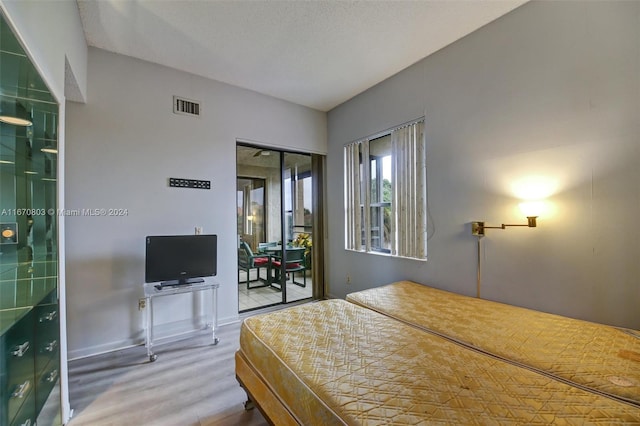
(594,356)
(335,363)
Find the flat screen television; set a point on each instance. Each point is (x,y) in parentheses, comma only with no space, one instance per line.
(180,259)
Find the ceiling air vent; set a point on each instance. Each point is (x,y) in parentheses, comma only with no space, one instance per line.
(186,106)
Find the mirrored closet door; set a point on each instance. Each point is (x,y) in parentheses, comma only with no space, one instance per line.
(29,314)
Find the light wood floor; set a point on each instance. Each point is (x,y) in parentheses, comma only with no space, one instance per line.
(192,383)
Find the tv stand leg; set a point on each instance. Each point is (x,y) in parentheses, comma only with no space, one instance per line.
(149,331)
(214,314)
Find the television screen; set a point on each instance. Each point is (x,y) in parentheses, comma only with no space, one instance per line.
(178,259)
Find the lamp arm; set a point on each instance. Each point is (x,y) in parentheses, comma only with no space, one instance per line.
(531,223)
(477,228)
(504,225)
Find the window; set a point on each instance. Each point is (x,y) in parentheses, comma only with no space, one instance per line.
(385,193)
(380,186)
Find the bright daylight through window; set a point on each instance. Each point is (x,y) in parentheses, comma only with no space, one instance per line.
(386,193)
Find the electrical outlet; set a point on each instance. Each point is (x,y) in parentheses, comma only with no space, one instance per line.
(198,230)
(348,279)
(142,303)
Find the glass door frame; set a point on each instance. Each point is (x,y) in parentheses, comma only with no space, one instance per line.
(284,232)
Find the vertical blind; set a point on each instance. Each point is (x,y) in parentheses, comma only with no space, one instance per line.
(354,178)
(409,193)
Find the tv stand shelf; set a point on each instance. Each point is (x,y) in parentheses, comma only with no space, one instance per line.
(153,290)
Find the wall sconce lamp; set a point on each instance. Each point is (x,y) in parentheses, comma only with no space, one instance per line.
(477,228)
(531,209)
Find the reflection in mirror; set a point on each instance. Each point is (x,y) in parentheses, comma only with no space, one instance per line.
(29,320)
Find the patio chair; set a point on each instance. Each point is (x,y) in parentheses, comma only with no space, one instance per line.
(248,261)
(295,262)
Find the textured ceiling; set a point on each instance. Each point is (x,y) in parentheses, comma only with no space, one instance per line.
(313,53)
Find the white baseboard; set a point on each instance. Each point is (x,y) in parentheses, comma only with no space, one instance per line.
(162,332)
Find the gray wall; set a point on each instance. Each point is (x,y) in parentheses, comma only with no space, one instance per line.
(552,89)
(122,146)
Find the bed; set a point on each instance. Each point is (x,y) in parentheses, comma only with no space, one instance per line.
(594,356)
(337,363)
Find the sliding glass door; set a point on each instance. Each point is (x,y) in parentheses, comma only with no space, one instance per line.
(274,228)
(298,219)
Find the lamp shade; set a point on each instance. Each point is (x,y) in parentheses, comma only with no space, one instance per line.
(532,208)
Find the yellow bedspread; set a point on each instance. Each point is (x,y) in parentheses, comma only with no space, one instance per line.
(595,356)
(334,362)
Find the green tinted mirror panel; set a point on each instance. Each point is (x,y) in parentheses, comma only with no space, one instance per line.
(28,240)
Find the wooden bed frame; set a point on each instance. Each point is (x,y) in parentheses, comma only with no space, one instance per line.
(273,410)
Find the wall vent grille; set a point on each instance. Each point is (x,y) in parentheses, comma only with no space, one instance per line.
(186,106)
